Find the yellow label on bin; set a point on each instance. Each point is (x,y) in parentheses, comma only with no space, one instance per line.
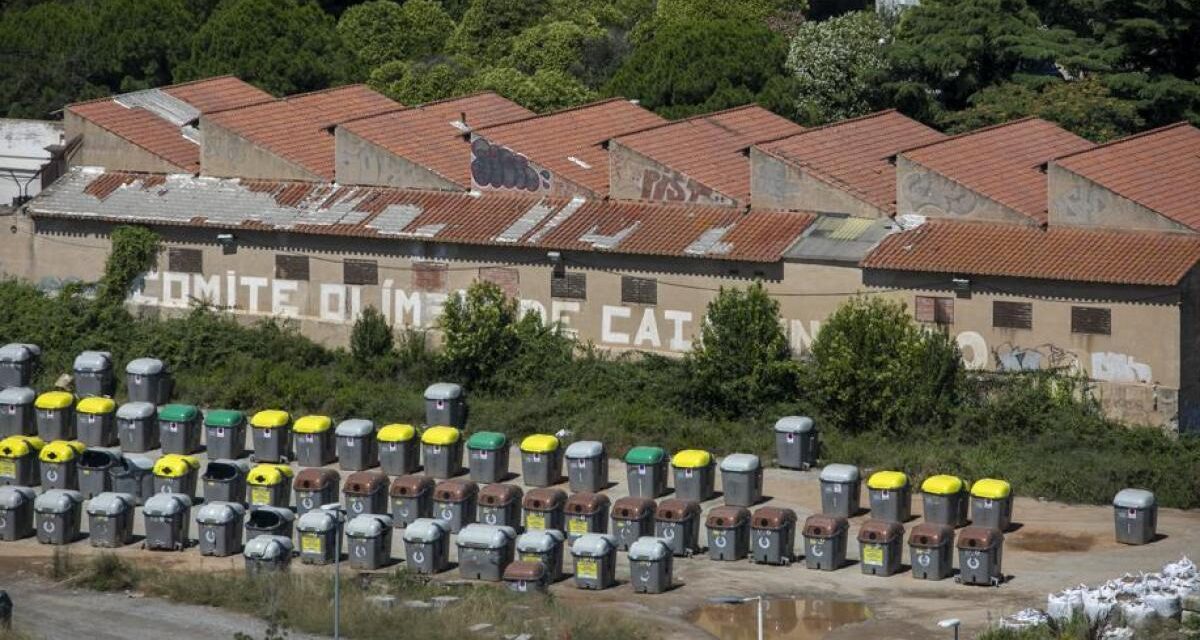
(872,555)
(310,543)
(530,557)
(535,521)
(577,525)
(587,568)
(8,468)
(260,495)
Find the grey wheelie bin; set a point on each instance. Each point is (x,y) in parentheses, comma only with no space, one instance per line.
(412,498)
(841,486)
(95,471)
(315,445)
(17,414)
(586,513)
(632,518)
(796,442)
(931,551)
(545,547)
(728,533)
(318,530)
(399,452)
(16,513)
(678,523)
(266,554)
(454,502)
(219,528)
(694,472)
(441,449)
(269,521)
(167,520)
(315,487)
(96,422)
(445,404)
(148,380)
(543,509)
(269,484)
(487,456)
(55,416)
(225,434)
(271,433)
(426,546)
(57,514)
(175,473)
(742,479)
(825,542)
(17,362)
(944,499)
(773,536)
(357,447)
(137,427)
(59,464)
(650,566)
(225,481)
(587,466)
(110,520)
(179,428)
(595,556)
(366,492)
(484,551)
(890,495)
(525,577)
(500,504)
(980,552)
(880,547)
(133,475)
(541,460)
(369,541)
(1136,513)
(991,504)
(94,374)
(646,472)
(19,461)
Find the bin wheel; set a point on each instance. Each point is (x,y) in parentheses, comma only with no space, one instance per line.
(787,562)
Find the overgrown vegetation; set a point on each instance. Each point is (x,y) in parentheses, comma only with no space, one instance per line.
(1080,628)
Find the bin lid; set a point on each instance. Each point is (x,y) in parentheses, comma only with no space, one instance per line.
(54,400)
(539,443)
(594,545)
(487,441)
(647,549)
(139,461)
(365,482)
(425,530)
(544,499)
(991,488)
(315,479)
(265,515)
(15,497)
(355,428)
(485,536)
(928,534)
(727,517)
(887,480)
(225,469)
(979,538)
(145,366)
(93,458)
(773,518)
(440,436)
(676,510)
(20,446)
(268,475)
(840,473)
(633,508)
(823,526)
(543,541)
(455,490)
(110,504)
(136,411)
(498,495)
(645,455)
(93,361)
(368,525)
(57,501)
(96,406)
(794,424)
(220,513)
(224,418)
(17,395)
(880,531)
(410,485)
(740,462)
(18,352)
(312,424)
(443,391)
(943,485)
(1134,499)
(396,433)
(316,521)
(178,413)
(268,547)
(691,459)
(61,451)
(584,449)
(166,504)
(174,465)
(586,502)
(270,419)
(527,571)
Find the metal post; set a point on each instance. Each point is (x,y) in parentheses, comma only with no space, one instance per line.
(337,580)
(760,618)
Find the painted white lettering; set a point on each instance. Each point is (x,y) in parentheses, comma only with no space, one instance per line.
(434,303)
(139,293)
(558,313)
(281,295)
(169,281)
(974,349)
(355,302)
(677,318)
(253,285)
(407,305)
(802,340)
(607,313)
(207,290)
(648,330)
(333,303)
(1120,367)
(385,303)
(231,287)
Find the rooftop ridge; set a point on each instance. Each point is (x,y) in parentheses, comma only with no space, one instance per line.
(164,87)
(700,116)
(1128,138)
(972,132)
(829,125)
(578,107)
(315,92)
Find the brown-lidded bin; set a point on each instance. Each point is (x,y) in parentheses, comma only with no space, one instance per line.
(825,542)
(587,513)
(366,492)
(454,503)
(773,536)
(632,518)
(500,505)
(880,545)
(315,487)
(412,498)
(677,522)
(728,533)
(544,508)
(525,577)
(931,551)
(980,551)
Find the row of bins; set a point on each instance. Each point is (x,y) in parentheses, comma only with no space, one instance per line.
(147,379)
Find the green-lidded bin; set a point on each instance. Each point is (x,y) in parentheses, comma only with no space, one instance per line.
(179,428)
(646,472)
(225,434)
(487,456)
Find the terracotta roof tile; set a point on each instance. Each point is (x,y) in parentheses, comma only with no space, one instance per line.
(1157,169)
(1002,162)
(855,155)
(708,148)
(427,136)
(1057,253)
(339,104)
(216,94)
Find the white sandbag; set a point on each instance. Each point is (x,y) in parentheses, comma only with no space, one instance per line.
(1024,619)
(1165,605)
(1136,614)
(1097,607)
(1117,633)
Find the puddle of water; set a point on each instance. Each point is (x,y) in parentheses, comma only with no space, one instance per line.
(1052,541)
(783,618)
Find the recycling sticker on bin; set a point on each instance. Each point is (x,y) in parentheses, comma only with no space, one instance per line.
(310,543)
(535,521)
(872,555)
(8,468)
(588,568)
(577,525)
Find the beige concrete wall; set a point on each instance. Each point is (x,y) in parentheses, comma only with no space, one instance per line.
(360,162)
(100,148)
(922,191)
(633,176)
(1079,202)
(226,154)
(778,184)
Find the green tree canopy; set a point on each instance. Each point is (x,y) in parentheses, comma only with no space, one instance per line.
(139,42)
(1084,107)
(838,65)
(557,45)
(382,31)
(488,26)
(750,10)
(544,90)
(420,82)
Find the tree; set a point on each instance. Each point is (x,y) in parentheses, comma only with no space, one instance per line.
(46,59)
(381,31)
(487,27)
(420,82)
(479,332)
(557,45)
(756,11)
(544,90)
(838,64)
(1084,107)
(139,42)
(371,338)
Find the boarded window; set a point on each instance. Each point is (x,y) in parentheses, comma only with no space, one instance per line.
(507,278)
(429,276)
(360,272)
(935,309)
(185,260)
(639,290)
(569,285)
(1012,315)
(1091,320)
(291,267)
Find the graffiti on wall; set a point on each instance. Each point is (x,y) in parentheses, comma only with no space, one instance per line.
(673,186)
(497,167)
(929,194)
(1082,202)
(1120,367)
(1011,357)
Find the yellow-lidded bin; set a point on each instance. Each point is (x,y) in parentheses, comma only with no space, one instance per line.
(695,475)
(991,504)
(541,460)
(314,441)
(945,500)
(176,473)
(55,416)
(19,460)
(60,464)
(272,436)
(269,485)
(441,447)
(398,451)
(891,496)
(96,422)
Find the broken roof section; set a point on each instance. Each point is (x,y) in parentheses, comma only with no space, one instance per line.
(699,159)
(421,147)
(558,153)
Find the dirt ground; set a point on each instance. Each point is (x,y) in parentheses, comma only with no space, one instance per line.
(1052,546)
